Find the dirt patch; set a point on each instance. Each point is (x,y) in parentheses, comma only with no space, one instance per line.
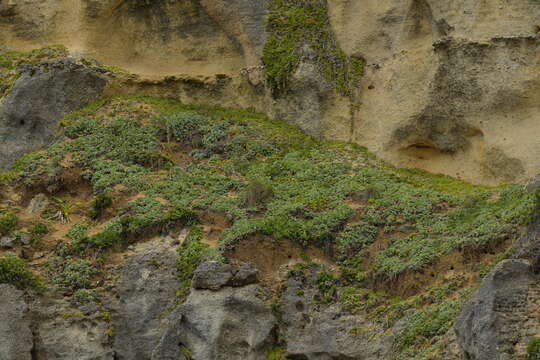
(466,265)
(274,258)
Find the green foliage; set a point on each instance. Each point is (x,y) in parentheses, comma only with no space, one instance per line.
(533,348)
(14,271)
(183,126)
(191,254)
(355,238)
(277,353)
(327,284)
(8,221)
(257,193)
(77,233)
(426,327)
(292,24)
(99,204)
(37,232)
(70,273)
(84,296)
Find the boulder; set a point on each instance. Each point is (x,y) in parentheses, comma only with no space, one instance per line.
(212,275)
(16,340)
(144,293)
(491,324)
(316,331)
(40,97)
(66,332)
(229,324)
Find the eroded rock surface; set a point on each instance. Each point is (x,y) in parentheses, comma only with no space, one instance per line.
(228,322)
(16,341)
(143,296)
(501,318)
(65,331)
(314,330)
(41,96)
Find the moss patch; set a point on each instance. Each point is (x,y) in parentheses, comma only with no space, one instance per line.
(292,24)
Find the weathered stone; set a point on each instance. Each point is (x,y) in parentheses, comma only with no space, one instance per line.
(212,275)
(245,274)
(8,242)
(64,332)
(489,326)
(15,335)
(144,293)
(38,204)
(229,324)
(40,97)
(324,332)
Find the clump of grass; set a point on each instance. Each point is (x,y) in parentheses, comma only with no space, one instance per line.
(8,221)
(14,271)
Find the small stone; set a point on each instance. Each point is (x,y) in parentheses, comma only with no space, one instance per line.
(25,239)
(246,274)
(7,242)
(362,196)
(212,275)
(38,204)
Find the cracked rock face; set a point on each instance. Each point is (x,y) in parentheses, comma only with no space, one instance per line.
(223,318)
(500,319)
(39,99)
(16,341)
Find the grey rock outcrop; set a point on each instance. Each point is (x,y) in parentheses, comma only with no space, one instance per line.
(144,293)
(495,324)
(41,96)
(212,275)
(315,331)
(64,332)
(227,322)
(16,341)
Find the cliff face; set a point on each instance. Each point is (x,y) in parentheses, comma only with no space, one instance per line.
(154,207)
(451,88)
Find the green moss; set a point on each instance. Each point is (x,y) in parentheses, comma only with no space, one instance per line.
(277,353)
(533,348)
(14,271)
(292,24)
(8,221)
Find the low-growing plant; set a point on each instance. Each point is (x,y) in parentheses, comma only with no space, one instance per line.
(70,273)
(99,204)
(533,349)
(8,221)
(14,271)
(37,232)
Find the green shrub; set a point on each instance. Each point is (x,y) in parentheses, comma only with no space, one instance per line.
(70,274)
(191,254)
(355,238)
(37,231)
(257,193)
(183,126)
(100,203)
(533,349)
(14,271)
(8,222)
(327,284)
